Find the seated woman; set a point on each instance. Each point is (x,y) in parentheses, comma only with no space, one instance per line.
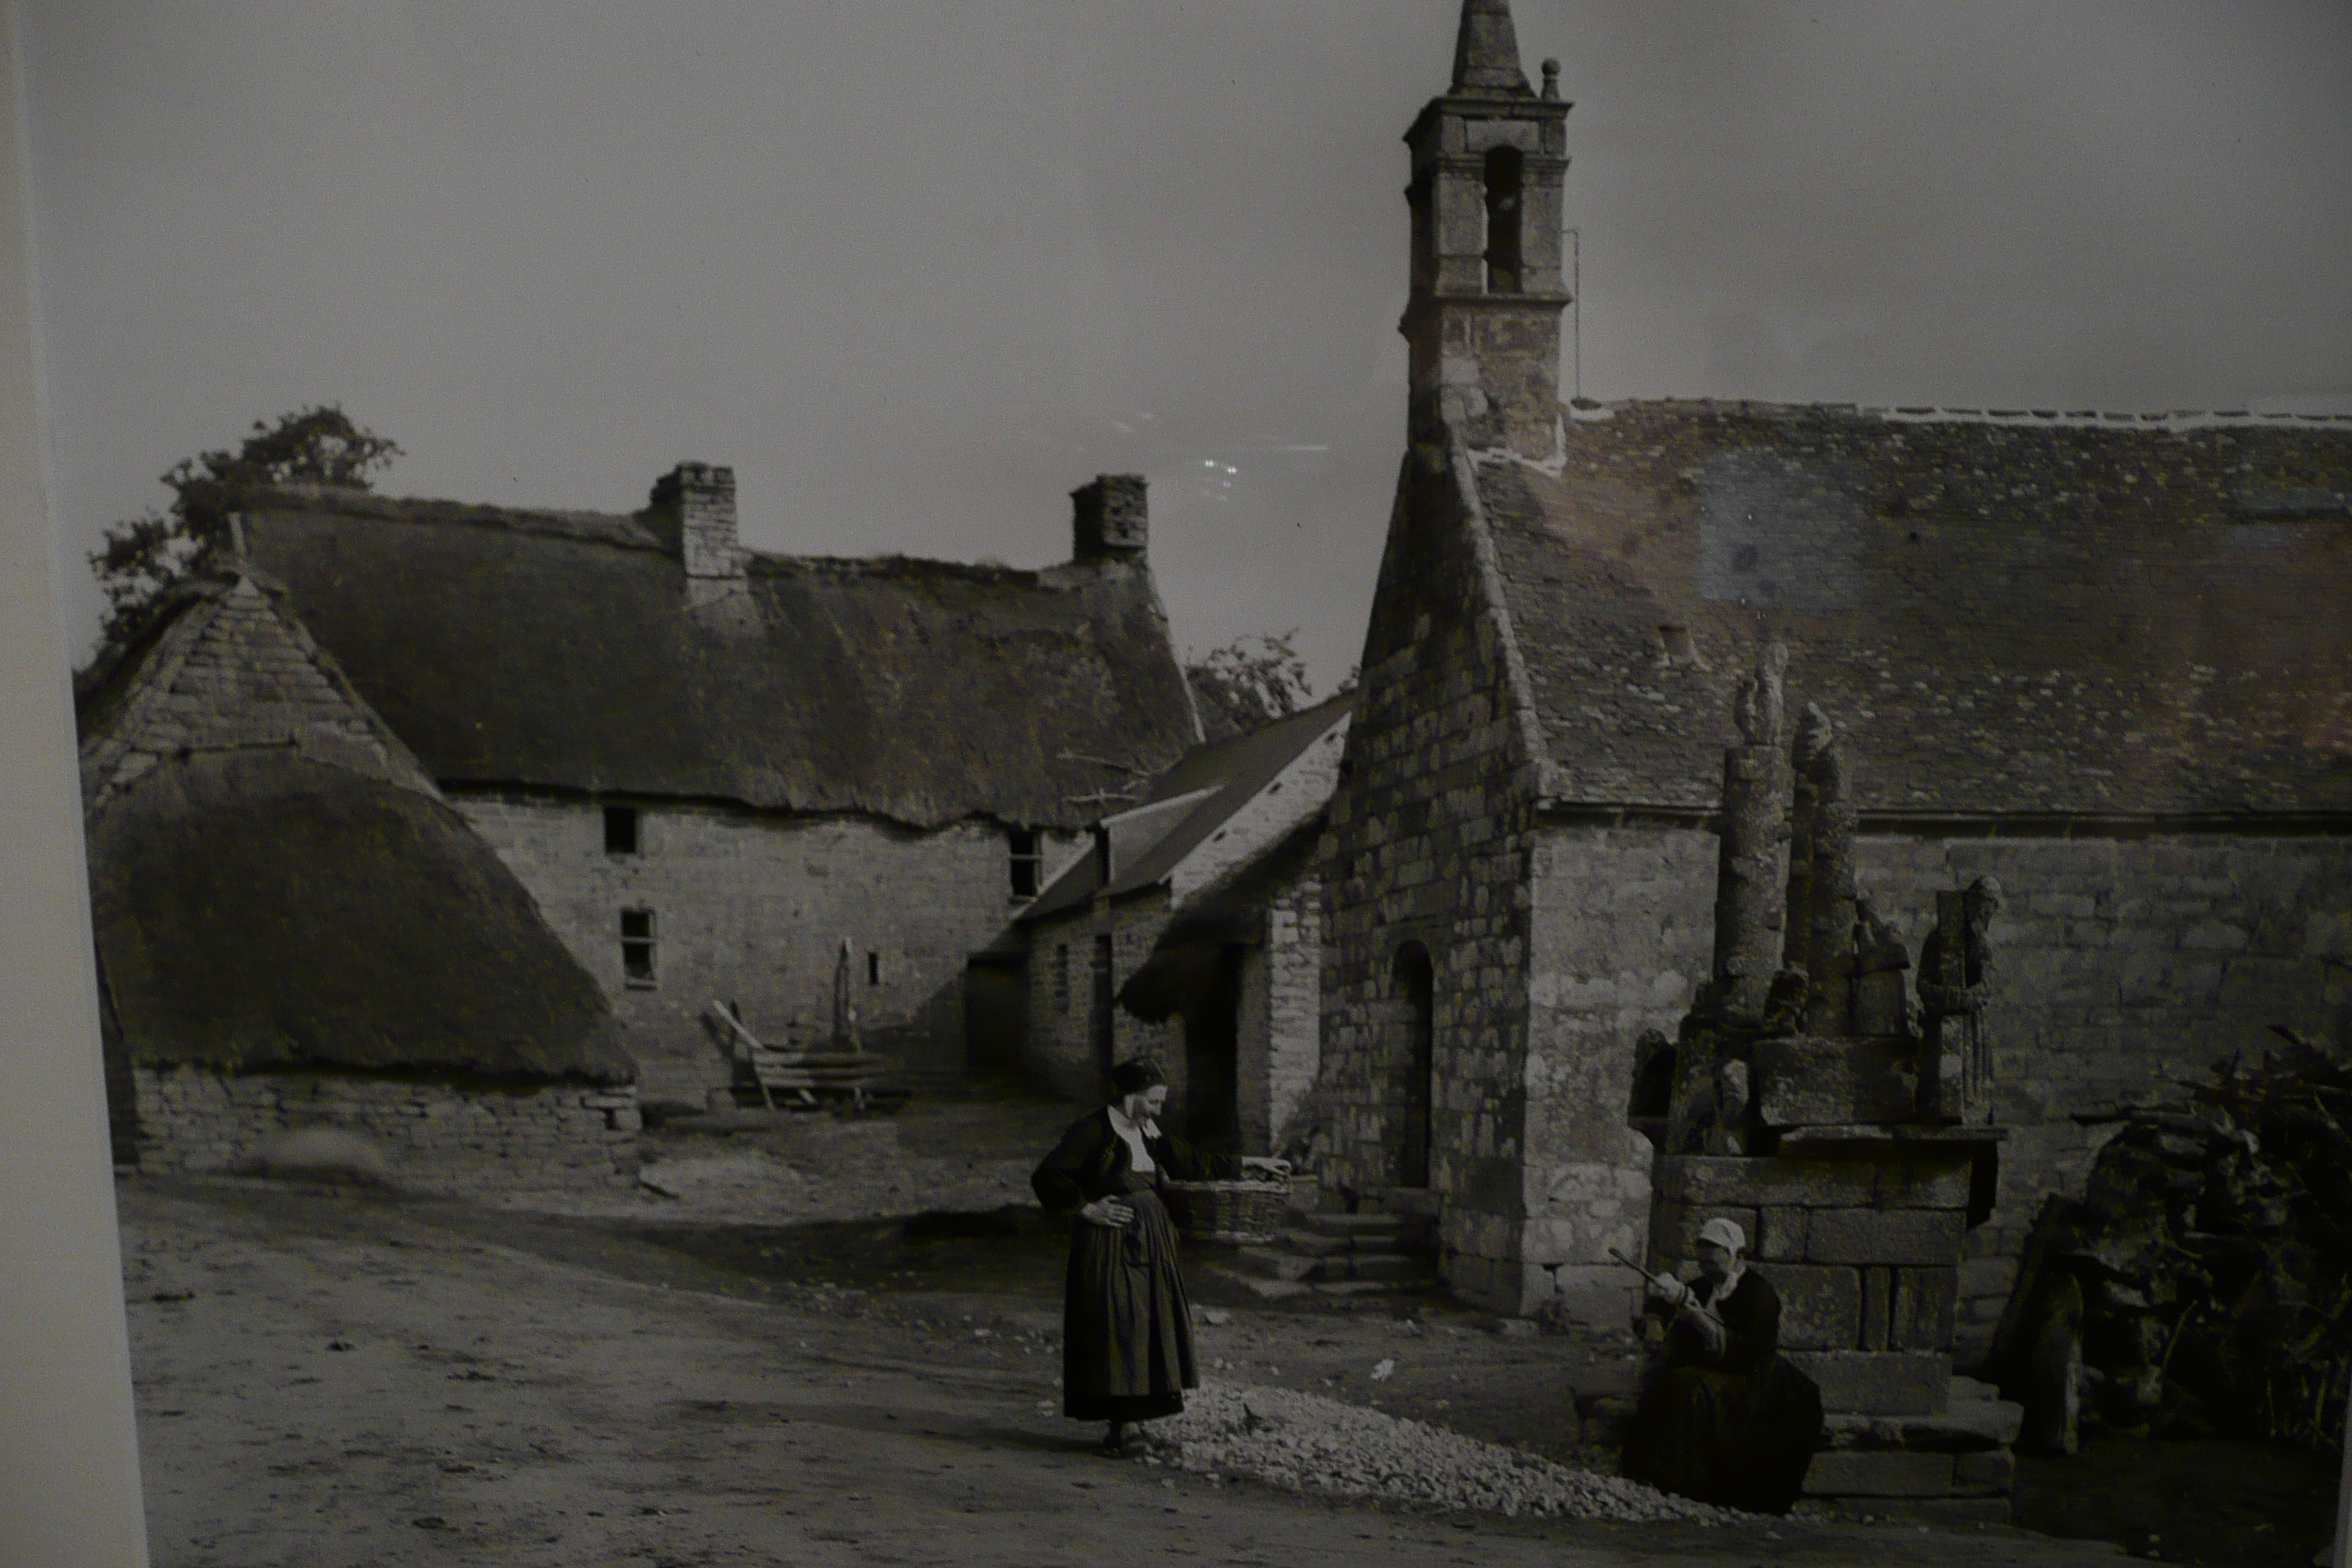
(1724,1418)
(1126,1325)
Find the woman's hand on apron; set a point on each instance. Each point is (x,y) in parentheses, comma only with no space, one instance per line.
(1108,1211)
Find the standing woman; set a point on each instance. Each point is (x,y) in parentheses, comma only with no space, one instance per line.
(1126,1327)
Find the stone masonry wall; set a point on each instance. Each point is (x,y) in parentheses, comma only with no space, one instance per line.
(1429,843)
(1280,1043)
(2122,965)
(1060,1052)
(437,1136)
(752,907)
(1623,930)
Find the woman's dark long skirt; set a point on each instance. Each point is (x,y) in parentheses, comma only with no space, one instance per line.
(1736,1440)
(1126,1327)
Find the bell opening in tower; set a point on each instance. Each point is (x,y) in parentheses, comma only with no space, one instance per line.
(1505,265)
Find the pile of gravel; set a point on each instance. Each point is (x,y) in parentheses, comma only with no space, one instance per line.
(1308,1443)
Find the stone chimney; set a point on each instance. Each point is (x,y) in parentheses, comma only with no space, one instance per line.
(692,512)
(1109,520)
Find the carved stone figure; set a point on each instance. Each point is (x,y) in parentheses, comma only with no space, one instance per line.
(1956,967)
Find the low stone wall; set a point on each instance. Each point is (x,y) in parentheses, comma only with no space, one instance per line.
(436,1135)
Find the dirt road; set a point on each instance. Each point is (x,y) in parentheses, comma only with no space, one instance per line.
(333,1380)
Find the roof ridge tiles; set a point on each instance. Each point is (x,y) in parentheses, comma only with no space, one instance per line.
(1914,413)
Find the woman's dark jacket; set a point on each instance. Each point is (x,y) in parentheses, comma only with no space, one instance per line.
(1092,1161)
(1751,1328)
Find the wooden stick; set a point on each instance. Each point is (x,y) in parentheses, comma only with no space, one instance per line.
(1697,1309)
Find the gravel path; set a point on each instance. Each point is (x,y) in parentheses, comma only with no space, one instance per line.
(1308,1443)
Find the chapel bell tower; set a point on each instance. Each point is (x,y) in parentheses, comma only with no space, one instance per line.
(1489,158)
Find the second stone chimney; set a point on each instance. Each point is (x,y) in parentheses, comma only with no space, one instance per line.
(1108,520)
(692,512)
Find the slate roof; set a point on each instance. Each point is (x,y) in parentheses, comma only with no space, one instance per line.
(557,650)
(277,883)
(1186,805)
(2003,614)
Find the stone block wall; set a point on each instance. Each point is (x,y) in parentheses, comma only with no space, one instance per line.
(438,1136)
(1280,1042)
(1863,1252)
(1623,923)
(1429,843)
(1059,1054)
(752,908)
(2122,964)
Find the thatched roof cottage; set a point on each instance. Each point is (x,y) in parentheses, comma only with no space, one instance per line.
(294,927)
(718,770)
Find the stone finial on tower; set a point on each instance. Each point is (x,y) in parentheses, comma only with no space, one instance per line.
(1108,518)
(1486,50)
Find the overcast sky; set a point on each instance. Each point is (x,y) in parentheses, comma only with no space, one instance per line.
(918,269)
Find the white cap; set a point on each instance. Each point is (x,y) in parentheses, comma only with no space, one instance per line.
(1725,1233)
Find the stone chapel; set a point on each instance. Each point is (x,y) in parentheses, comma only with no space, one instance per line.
(2097,659)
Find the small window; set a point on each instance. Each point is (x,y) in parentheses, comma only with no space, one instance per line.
(637,948)
(1028,864)
(873,969)
(1062,978)
(620,830)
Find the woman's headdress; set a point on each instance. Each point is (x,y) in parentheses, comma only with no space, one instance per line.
(1725,1233)
(1136,1074)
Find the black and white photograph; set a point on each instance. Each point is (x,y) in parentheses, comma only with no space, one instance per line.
(1262,782)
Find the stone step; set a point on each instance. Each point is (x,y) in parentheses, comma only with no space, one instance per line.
(1267,1263)
(1267,1288)
(1362,1287)
(1312,1244)
(1371,1266)
(1350,1224)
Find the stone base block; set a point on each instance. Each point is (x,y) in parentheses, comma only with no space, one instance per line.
(1989,1470)
(1917,1237)
(1887,1472)
(1967,1425)
(1925,1182)
(1821,1309)
(1808,1081)
(1879,1383)
(1732,1181)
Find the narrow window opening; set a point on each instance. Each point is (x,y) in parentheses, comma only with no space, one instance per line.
(1026,862)
(1101,1023)
(873,969)
(1503,263)
(637,949)
(1675,646)
(1062,978)
(620,830)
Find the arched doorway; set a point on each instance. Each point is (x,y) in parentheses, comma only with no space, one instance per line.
(1414,983)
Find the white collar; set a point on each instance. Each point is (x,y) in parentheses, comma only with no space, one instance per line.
(1127,1126)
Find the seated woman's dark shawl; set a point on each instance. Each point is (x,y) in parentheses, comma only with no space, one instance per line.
(1126,1325)
(1734,1427)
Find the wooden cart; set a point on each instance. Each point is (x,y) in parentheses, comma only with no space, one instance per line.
(851,1080)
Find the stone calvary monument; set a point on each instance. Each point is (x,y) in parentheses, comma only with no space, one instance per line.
(1846,1129)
